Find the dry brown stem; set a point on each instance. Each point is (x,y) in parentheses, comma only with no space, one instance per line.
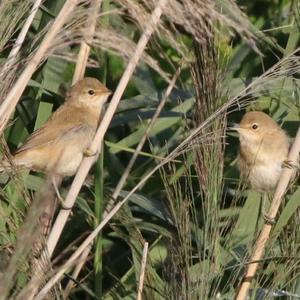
(142,274)
(96,144)
(84,51)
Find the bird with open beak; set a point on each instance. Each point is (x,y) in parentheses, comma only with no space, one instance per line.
(264,148)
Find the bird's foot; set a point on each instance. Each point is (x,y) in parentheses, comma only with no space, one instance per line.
(89,153)
(62,204)
(268,220)
(290,165)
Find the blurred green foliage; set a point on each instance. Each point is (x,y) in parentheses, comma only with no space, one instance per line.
(198,250)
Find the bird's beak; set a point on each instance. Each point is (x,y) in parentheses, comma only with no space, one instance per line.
(234,127)
(109,94)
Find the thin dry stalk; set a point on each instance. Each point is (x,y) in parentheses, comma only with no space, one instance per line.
(12,14)
(81,62)
(80,67)
(260,245)
(15,93)
(83,258)
(21,37)
(126,173)
(96,144)
(139,147)
(84,51)
(142,274)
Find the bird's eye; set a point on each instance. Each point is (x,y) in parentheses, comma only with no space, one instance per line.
(254,126)
(91,92)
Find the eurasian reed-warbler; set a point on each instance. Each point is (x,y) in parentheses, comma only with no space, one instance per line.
(264,148)
(58,147)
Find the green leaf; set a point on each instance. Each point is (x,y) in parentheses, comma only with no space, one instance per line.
(289,210)
(44,111)
(160,125)
(246,226)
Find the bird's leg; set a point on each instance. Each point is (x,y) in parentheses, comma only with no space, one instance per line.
(56,181)
(267,219)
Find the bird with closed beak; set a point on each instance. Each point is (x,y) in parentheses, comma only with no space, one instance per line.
(264,148)
(58,147)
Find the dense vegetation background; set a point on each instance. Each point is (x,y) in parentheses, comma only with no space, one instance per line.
(201,224)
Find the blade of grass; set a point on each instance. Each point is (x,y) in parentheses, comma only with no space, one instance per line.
(99,179)
(99,198)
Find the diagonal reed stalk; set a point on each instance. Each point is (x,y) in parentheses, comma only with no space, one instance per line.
(126,172)
(262,240)
(95,146)
(87,162)
(36,280)
(80,68)
(141,143)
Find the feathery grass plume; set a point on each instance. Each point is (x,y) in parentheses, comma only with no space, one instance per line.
(12,14)
(283,70)
(209,158)
(108,39)
(177,266)
(195,18)
(185,16)
(193,256)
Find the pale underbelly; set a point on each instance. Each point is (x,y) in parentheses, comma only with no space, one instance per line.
(264,177)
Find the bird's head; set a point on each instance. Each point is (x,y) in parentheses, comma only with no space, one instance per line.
(90,92)
(256,126)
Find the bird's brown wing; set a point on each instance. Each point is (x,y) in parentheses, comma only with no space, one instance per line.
(62,124)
